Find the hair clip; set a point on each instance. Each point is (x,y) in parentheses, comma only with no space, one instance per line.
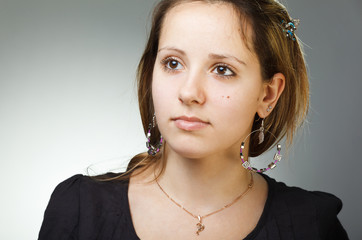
(290,28)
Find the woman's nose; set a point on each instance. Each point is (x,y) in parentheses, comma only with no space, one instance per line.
(192,91)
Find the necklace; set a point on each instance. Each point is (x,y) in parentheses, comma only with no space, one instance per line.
(199,225)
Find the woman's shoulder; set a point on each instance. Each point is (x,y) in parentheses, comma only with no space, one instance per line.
(96,186)
(306,212)
(300,198)
(95,189)
(82,204)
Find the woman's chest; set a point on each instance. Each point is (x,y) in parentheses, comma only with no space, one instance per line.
(161,218)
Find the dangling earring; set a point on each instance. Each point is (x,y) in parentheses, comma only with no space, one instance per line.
(261,133)
(153,150)
(277,156)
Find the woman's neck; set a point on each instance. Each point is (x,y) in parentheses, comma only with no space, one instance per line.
(204,185)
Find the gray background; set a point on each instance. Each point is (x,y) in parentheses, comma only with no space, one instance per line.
(67,100)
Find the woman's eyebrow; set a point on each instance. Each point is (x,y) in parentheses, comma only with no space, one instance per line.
(211,55)
(172,49)
(220,57)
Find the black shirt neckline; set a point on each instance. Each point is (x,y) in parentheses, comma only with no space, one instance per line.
(250,236)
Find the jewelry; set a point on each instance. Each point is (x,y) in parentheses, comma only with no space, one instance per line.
(269,108)
(277,156)
(153,150)
(261,133)
(200,226)
(290,28)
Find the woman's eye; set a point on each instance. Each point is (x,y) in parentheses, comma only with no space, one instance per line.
(223,70)
(172,64)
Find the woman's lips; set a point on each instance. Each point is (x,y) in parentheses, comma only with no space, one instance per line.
(189,123)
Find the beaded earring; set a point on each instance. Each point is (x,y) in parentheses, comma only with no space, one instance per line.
(277,156)
(153,150)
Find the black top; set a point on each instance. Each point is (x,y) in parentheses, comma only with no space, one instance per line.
(84,208)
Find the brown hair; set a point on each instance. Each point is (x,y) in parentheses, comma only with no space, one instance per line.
(276,53)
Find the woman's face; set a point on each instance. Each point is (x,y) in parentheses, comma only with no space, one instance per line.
(207,85)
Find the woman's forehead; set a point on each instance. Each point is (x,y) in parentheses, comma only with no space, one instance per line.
(196,25)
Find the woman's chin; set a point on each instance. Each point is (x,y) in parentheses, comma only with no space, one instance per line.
(190,152)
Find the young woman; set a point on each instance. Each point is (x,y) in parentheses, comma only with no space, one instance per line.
(219,82)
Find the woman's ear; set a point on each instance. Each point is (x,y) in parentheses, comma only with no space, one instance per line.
(271,93)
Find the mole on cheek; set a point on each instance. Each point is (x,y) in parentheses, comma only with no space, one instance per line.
(228,96)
